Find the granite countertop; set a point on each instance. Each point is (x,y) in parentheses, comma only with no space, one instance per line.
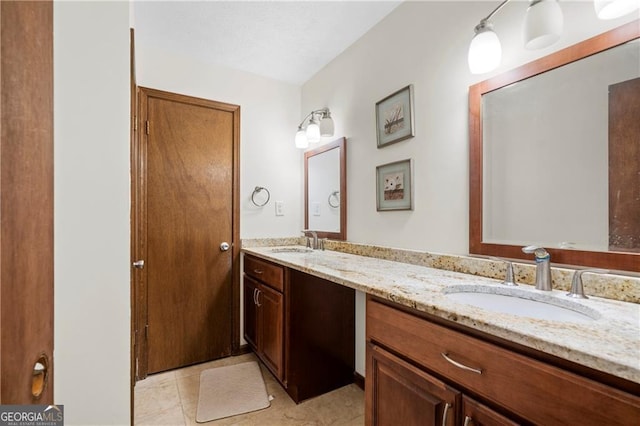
(610,343)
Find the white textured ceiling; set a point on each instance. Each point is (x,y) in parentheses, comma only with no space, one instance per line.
(284,40)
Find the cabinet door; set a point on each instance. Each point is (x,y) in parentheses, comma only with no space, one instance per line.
(250,312)
(398,393)
(270,320)
(477,414)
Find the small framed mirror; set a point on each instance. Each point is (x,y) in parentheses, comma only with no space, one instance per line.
(325,194)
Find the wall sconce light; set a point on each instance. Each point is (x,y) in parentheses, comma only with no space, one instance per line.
(542,27)
(320,125)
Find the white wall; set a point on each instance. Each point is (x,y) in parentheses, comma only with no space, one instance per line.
(424,44)
(269,116)
(91,148)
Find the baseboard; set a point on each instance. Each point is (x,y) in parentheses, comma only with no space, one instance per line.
(358,380)
(243,349)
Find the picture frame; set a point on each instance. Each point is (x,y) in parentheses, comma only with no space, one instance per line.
(394,186)
(394,117)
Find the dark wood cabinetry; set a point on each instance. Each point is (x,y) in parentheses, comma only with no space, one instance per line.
(302,327)
(402,394)
(498,385)
(264,315)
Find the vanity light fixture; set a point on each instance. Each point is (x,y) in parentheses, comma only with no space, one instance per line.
(542,27)
(320,125)
(611,9)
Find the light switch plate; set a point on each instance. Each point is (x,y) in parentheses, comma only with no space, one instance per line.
(279,208)
(315,208)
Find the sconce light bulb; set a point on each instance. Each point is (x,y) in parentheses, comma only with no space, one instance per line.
(301,139)
(485,50)
(542,24)
(611,9)
(313,132)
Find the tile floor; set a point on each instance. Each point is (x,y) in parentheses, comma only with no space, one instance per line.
(171,398)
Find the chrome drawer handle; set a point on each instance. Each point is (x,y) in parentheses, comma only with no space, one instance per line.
(444,415)
(467,420)
(457,364)
(257,271)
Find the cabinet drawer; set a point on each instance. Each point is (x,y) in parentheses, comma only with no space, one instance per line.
(539,392)
(267,272)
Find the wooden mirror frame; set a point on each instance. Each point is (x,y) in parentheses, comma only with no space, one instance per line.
(340,144)
(607,259)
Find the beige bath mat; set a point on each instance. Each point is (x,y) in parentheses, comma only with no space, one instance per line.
(231,390)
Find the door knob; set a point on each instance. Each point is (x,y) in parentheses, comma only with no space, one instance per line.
(224,246)
(139,264)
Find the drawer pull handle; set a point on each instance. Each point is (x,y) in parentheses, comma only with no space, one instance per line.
(457,364)
(467,420)
(444,414)
(258,271)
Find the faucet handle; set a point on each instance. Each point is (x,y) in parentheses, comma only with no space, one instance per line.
(577,289)
(508,277)
(539,253)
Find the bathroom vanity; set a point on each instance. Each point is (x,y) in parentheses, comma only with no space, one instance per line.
(447,374)
(433,360)
(301,326)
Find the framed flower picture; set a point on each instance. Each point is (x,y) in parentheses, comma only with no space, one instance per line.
(394,117)
(394,184)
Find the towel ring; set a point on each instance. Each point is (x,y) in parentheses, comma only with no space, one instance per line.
(336,195)
(258,190)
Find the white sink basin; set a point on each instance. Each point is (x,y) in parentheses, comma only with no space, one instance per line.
(291,250)
(523,303)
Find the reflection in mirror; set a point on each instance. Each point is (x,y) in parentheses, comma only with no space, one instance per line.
(555,155)
(546,167)
(325,190)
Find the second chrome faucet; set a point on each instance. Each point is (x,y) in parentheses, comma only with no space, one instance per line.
(543,267)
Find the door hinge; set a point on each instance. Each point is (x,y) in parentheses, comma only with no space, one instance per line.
(146,332)
(135,123)
(148,126)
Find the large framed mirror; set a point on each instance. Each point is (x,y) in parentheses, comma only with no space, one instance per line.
(325,195)
(555,156)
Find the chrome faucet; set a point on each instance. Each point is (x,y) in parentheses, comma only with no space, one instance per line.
(543,267)
(314,235)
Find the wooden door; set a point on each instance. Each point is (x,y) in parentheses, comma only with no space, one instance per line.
(271,332)
(26,202)
(397,393)
(624,166)
(189,172)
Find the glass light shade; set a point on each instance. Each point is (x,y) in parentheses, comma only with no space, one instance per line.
(485,51)
(542,24)
(611,9)
(313,132)
(301,139)
(326,126)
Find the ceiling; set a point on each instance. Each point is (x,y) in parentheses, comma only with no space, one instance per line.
(284,40)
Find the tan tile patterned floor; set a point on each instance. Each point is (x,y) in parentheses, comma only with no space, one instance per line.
(171,398)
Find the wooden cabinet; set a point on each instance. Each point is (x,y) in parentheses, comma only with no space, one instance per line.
(402,394)
(499,385)
(302,327)
(264,313)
